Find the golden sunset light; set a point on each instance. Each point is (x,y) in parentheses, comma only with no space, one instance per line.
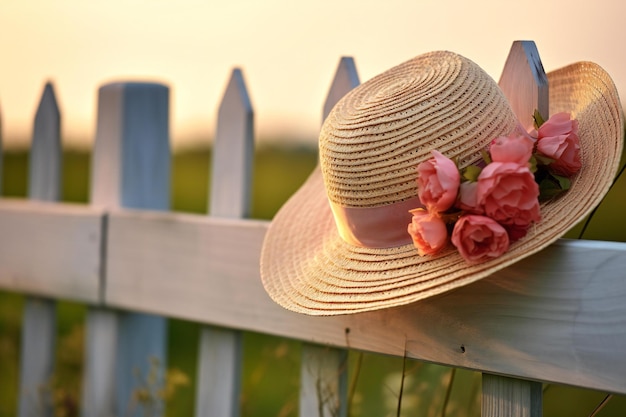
(288,52)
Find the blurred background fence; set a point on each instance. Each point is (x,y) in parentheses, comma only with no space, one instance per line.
(121,297)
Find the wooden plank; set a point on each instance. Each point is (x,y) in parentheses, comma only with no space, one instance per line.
(39,326)
(557,316)
(510,397)
(50,250)
(220,350)
(131,168)
(324,378)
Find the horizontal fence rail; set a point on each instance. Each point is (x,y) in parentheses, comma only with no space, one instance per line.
(558,316)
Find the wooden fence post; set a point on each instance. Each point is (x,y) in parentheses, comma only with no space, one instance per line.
(39,325)
(220,351)
(131,169)
(324,370)
(525,85)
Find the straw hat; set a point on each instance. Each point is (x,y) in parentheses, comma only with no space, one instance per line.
(369,148)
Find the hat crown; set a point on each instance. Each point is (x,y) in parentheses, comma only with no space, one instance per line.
(374,138)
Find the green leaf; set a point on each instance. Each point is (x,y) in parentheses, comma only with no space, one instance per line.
(532,164)
(471,173)
(548,189)
(539,120)
(543,160)
(563,182)
(486,156)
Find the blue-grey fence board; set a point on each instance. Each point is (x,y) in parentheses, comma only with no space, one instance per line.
(131,168)
(39,324)
(324,372)
(525,84)
(220,350)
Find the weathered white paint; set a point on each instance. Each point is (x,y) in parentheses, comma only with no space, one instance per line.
(50,250)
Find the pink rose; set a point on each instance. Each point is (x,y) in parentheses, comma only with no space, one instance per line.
(513,148)
(479,238)
(468,197)
(438,182)
(509,194)
(558,139)
(428,231)
(516,232)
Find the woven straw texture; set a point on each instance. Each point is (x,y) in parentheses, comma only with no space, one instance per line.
(370,146)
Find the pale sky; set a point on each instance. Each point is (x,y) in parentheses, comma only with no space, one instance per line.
(288,51)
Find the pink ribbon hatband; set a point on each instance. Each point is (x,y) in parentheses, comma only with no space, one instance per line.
(376,227)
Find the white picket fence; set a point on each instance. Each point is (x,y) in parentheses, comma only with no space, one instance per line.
(558,316)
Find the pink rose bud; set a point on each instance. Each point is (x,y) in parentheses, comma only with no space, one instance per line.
(428,231)
(558,139)
(479,238)
(438,182)
(514,148)
(509,194)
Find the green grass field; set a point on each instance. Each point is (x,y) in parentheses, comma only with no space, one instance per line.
(271,365)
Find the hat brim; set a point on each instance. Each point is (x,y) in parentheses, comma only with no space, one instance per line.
(306,267)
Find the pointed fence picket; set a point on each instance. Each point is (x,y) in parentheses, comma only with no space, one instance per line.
(525,84)
(220,351)
(133,263)
(39,325)
(324,370)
